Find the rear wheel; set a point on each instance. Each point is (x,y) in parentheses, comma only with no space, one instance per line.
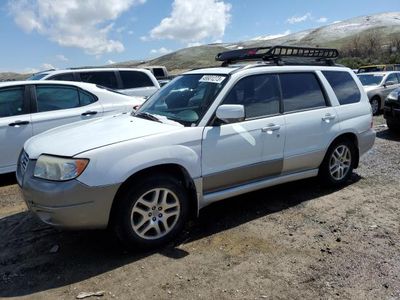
(151,212)
(338,163)
(375,104)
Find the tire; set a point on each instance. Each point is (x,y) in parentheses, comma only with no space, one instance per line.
(376,105)
(145,218)
(337,166)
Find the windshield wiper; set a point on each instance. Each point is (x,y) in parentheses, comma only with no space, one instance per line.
(145,115)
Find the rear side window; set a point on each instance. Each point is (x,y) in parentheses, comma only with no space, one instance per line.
(135,79)
(63,77)
(344,86)
(86,98)
(56,97)
(259,94)
(107,79)
(301,91)
(12,101)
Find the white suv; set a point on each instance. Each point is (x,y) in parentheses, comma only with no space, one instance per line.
(208,135)
(132,82)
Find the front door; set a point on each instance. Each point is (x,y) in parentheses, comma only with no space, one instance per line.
(15,126)
(239,153)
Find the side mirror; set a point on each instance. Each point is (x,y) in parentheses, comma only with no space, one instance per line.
(389,83)
(230,113)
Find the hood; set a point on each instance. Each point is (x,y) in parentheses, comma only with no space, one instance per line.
(69,140)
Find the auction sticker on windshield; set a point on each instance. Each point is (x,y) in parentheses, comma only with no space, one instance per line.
(212,78)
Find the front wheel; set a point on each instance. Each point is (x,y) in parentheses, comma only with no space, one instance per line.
(338,163)
(151,212)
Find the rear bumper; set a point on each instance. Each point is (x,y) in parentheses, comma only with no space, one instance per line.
(366,141)
(69,204)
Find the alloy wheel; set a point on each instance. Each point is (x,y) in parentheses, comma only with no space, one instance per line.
(155,213)
(340,162)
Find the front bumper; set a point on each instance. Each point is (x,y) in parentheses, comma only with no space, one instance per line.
(70,204)
(392,114)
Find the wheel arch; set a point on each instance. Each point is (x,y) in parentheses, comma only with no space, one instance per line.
(353,138)
(173,169)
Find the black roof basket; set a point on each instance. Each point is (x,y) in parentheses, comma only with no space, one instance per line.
(276,53)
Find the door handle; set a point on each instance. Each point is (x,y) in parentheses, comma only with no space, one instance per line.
(89,113)
(270,127)
(18,123)
(328,117)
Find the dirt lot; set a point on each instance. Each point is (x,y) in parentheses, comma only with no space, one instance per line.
(293,241)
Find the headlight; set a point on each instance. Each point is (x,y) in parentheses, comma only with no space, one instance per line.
(394,96)
(58,168)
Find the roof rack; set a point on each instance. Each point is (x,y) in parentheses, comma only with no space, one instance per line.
(276,53)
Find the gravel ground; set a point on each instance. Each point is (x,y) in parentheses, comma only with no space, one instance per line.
(295,241)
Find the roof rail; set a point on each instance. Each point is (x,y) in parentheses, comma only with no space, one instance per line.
(276,53)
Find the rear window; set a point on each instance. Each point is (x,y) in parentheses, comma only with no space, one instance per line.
(135,79)
(301,91)
(344,86)
(107,79)
(158,72)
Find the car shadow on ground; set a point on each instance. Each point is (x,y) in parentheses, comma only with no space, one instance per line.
(7,179)
(27,265)
(389,135)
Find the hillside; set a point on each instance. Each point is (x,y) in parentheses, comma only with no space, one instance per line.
(338,35)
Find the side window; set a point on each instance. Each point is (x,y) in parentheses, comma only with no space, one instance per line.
(12,101)
(301,91)
(158,72)
(344,86)
(135,79)
(392,78)
(106,79)
(63,77)
(56,97)
(86,98)
(259,94)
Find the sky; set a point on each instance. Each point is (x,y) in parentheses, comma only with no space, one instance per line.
(41,34)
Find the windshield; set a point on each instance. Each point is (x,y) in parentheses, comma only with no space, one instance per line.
(185,99)
(38,76)
(370,79)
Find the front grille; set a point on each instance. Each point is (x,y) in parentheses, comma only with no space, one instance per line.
(24,160)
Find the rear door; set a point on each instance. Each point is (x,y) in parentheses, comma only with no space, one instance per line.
(57,105)
(238,153)
(310,121)
(15,125)
(136,83)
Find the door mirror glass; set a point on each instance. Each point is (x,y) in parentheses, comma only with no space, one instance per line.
(231,113)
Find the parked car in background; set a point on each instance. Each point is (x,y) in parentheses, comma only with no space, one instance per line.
(210,134)
(378,86)
(378,68)
(161,74)
(132,82)
(28,108)
(391,110)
